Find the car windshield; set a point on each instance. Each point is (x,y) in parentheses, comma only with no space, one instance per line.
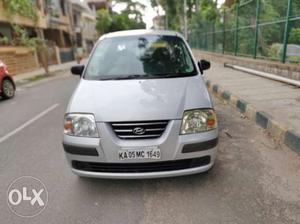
(133,57)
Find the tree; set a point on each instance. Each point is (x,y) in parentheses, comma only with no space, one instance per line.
(129,18)
(197,10)
(174,12)
(134,9)
(104,21)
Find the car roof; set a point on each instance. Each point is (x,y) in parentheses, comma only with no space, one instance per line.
(140,32)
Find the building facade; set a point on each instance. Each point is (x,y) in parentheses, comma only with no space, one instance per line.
(68,26)
(84,23)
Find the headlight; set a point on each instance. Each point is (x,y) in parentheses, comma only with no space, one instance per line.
(81,125)
(199,120)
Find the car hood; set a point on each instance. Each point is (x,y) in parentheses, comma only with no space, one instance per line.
(139,100)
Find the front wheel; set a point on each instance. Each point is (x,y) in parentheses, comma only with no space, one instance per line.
(8,89)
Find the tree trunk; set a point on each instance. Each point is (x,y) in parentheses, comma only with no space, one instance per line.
(43,51)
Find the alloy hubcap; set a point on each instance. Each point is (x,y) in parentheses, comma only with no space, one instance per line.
(8,88)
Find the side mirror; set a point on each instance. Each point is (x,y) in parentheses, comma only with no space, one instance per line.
(203,65)
(77,69)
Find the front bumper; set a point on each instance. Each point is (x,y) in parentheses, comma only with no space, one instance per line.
(173,147)
(149,175)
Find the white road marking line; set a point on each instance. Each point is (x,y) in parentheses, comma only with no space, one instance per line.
(29,122)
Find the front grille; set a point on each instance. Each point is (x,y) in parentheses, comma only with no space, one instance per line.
(139,129)
(141,167)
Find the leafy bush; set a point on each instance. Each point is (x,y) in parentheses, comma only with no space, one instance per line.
(4,41)
(24,8)
(294,59)
(275,51)
(294,36)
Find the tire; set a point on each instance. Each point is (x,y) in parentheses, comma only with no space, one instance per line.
(8,89)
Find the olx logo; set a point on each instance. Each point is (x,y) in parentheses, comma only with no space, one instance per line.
(27,196)
(23,196)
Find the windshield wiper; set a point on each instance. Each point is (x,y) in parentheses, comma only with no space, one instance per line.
(123,77)
(171,75)
(147,76)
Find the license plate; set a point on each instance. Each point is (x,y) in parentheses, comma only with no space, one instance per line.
(140,153)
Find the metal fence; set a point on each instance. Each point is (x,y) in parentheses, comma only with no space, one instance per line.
(268,29)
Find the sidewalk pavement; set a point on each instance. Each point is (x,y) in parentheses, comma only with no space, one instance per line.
(273,105)
(53,68)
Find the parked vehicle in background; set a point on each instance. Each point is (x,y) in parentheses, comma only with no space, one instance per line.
(7,85)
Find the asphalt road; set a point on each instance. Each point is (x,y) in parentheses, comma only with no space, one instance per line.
(255,180)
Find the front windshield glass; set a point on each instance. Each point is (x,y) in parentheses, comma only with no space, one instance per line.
(149,56)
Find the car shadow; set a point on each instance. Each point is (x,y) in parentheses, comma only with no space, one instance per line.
(2,99)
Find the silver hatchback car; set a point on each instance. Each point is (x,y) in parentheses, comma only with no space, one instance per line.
(141,109)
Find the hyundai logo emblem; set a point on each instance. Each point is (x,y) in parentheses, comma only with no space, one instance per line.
(139,131)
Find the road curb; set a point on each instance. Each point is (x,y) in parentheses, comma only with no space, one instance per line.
(26,78)
(43,77)
(279,132)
